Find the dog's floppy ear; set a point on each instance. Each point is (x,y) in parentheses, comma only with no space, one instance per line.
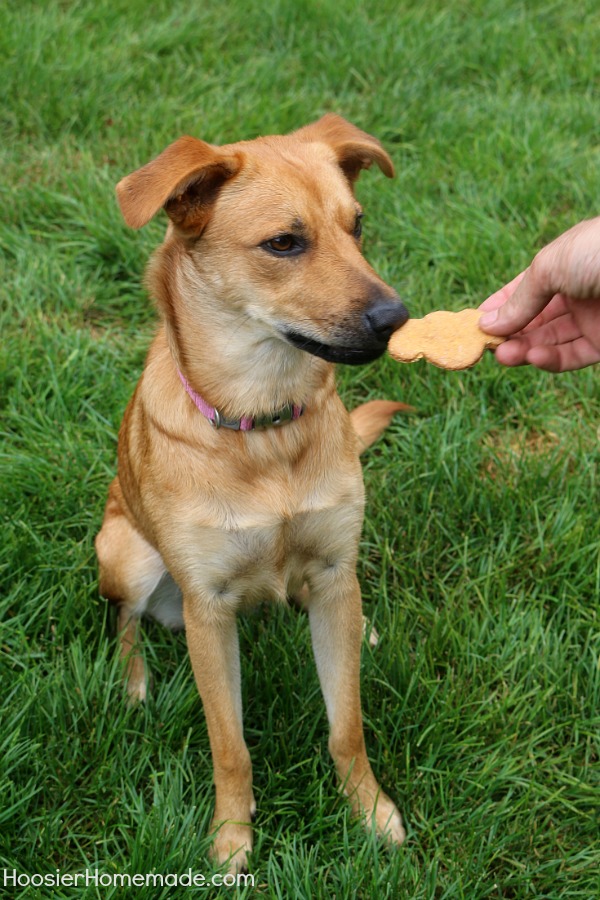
(355,149)
(185,179)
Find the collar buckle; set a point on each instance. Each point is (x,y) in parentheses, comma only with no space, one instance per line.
(275,419)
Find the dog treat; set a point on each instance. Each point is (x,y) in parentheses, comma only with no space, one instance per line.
(450,340)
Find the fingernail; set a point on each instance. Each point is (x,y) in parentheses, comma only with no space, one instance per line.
(488,318)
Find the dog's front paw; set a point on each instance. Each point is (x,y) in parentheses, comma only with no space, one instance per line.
(231,845)
(388,821)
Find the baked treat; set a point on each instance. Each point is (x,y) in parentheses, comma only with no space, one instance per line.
(450,340)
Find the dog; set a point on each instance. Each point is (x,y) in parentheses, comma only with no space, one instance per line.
(239,477)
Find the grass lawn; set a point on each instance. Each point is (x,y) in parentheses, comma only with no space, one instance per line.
(480,562)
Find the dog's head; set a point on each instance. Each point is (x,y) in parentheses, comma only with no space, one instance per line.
(273,229)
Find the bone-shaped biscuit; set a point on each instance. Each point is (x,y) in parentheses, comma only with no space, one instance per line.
(450,340)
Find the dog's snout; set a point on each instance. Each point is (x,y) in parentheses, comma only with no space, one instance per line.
(383,317)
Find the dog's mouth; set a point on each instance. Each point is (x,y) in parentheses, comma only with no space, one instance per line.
(361,338)
(336,353)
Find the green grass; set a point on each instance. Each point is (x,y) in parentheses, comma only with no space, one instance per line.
(480,562)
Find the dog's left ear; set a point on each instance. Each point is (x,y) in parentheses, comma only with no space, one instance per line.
(355,149)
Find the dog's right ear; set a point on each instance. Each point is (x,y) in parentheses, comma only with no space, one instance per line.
(185,179)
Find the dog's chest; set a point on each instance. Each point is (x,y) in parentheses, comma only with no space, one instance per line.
(259,528)
(260,551)
(274,561)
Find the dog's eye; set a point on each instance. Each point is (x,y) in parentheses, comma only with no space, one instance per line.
(358,226)
(284,245)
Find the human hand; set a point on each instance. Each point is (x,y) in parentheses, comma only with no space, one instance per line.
(551,311)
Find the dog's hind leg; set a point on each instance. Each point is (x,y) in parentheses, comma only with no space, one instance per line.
(136,678)
(130,571)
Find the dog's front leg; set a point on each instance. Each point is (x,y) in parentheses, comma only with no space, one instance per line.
(335,612)
(214,651)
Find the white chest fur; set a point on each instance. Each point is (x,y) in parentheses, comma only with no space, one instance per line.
(261,562)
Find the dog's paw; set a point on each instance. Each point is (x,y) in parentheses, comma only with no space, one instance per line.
(370,633)
(231,845)
(388,821)
(137,687)
(136,694)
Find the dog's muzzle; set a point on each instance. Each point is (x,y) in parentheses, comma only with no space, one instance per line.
(360,340)
(382,318)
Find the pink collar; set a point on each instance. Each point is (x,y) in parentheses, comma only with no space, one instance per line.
(289,413)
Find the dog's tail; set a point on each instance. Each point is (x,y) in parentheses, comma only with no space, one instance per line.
(371,419)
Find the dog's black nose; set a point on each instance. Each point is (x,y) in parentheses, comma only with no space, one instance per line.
(382,317)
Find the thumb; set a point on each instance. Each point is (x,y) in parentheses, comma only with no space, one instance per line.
(532,294)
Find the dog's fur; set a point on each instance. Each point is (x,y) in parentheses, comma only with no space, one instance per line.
(262,286)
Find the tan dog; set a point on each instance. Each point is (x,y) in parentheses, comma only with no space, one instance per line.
(262,286)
